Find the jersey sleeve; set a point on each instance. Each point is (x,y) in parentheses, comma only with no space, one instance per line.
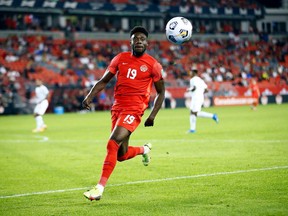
(205,85)
(192,83)
(46,91)
(157,72)
(113,66)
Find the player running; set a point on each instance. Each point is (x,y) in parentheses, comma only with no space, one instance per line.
(41,93)
(198,87)
(255,94)
(135,71)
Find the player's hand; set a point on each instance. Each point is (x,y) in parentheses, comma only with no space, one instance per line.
(149,122)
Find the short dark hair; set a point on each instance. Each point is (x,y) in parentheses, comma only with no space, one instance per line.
(139,29)
(195,71)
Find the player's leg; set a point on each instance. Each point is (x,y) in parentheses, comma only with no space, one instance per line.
(38,118)
(122,127)
(44,106)
(118,135)
(39,111)
(130,121)
(39,122)
(203,114)
(133,151)
(194,108)
(193,121)
(255,103)
(127,152)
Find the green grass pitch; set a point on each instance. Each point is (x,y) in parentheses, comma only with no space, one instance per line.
(236,167)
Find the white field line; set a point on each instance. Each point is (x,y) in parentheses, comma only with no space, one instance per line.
(149,181)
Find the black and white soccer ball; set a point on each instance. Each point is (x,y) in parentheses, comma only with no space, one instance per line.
(178,30)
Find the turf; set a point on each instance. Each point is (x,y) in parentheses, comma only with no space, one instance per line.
(236,167)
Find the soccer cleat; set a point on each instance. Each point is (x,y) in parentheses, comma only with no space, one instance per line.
(145,157)
(215,118)
(38,130)
(191,131)
(93,194)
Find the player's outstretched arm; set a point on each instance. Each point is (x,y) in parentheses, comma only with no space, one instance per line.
(160,89)
(191,88)
(99,86)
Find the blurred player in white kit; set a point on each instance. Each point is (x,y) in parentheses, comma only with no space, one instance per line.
(197,88)
(41,93)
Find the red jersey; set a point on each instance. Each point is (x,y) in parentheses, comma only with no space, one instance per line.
(255,90)
(135,76)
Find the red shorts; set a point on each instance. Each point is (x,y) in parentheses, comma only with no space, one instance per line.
(128,120)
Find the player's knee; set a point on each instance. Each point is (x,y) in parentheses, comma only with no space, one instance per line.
(193,113)
(122,158)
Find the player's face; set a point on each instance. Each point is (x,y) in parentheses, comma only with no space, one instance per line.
(38,82)
(191,74)
(138,43)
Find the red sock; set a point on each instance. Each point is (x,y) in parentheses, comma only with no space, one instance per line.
(132,152)
(109,162)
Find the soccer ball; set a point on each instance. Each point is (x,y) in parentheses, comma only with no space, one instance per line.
(178,30)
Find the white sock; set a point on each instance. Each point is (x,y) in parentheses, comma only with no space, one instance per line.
(193,119)
(39,122)
(100,187)
(205,114)
(146,149)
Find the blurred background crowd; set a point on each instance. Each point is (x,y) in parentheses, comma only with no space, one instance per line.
(69,66)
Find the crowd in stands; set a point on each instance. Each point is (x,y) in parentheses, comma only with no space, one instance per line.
(37,22)
(33,23)
(190,3)
(70,68)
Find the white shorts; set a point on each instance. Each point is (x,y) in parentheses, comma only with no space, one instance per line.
(41,108)
(196,104)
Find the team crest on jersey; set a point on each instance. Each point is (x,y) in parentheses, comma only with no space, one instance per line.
(143,68)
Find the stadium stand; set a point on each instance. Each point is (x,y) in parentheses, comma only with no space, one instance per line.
(69,66)
(77,65)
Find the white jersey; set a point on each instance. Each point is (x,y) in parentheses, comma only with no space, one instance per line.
(198,94)
(41,93)
(199,85)
(41,100)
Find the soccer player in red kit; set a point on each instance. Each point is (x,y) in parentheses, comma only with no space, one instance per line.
(135,71)
(255,94)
